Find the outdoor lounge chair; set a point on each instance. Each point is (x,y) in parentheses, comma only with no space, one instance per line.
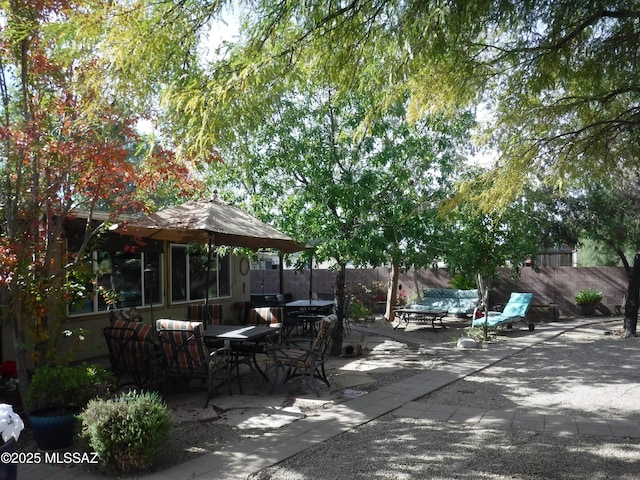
(514,311)
(134,353)
(186,356)
(296,359)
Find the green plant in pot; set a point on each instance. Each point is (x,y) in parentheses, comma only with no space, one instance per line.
(56,396)
(587,301)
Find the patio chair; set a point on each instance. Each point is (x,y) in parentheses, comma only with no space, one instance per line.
(328,310)
(210,314)
(266,317)
(514,311)
(245,352)
(186,356)
(292,321)
(297,360)
(262,317)
(134,353)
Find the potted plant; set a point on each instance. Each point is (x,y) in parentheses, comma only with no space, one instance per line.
(56,396)
(10,426)
(587,300)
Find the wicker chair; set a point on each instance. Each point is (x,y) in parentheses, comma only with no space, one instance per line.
(186,356)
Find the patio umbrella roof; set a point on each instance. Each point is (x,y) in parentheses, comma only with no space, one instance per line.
(210,221)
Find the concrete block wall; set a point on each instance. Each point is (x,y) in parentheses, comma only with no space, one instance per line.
(555,286)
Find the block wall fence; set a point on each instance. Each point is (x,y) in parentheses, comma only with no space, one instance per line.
(554,288)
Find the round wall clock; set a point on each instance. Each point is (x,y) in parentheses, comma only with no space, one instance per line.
(244,265)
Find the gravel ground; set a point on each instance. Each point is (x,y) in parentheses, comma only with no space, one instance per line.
(392,448)
(590,371)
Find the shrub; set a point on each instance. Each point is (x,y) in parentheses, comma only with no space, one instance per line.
(480,334)
(63,386)
(588,296)
(127,431)
(357,309)
(463,282)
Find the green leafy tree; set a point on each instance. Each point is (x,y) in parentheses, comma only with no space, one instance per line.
(361,197)
(486,240)
(561,101)
(560,78)
(608,212)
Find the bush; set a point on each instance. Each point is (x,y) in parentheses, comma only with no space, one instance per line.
(480,334)
(128,431)
(464,282)
(588,296)
(67,386)
(357,309)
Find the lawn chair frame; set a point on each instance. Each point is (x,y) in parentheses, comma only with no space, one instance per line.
(308,362)
(134,353)
(186,356)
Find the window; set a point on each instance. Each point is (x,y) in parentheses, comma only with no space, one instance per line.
(123,280)
(189,274)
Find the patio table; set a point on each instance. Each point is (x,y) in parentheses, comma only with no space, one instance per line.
(309,305)
(312,314)
(234,336)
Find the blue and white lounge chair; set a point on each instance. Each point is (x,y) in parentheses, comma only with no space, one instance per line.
(514,311)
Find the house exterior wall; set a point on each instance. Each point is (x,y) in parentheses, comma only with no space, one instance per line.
(92,324)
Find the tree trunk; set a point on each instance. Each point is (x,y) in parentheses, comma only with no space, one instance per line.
(392,293)
(633,298)
(19,342)
(338,301)
(483,286)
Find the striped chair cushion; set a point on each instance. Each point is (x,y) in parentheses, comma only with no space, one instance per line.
(199,313)
(266,316)
(169,324)
(132,348)
(144,331)
(183,347)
